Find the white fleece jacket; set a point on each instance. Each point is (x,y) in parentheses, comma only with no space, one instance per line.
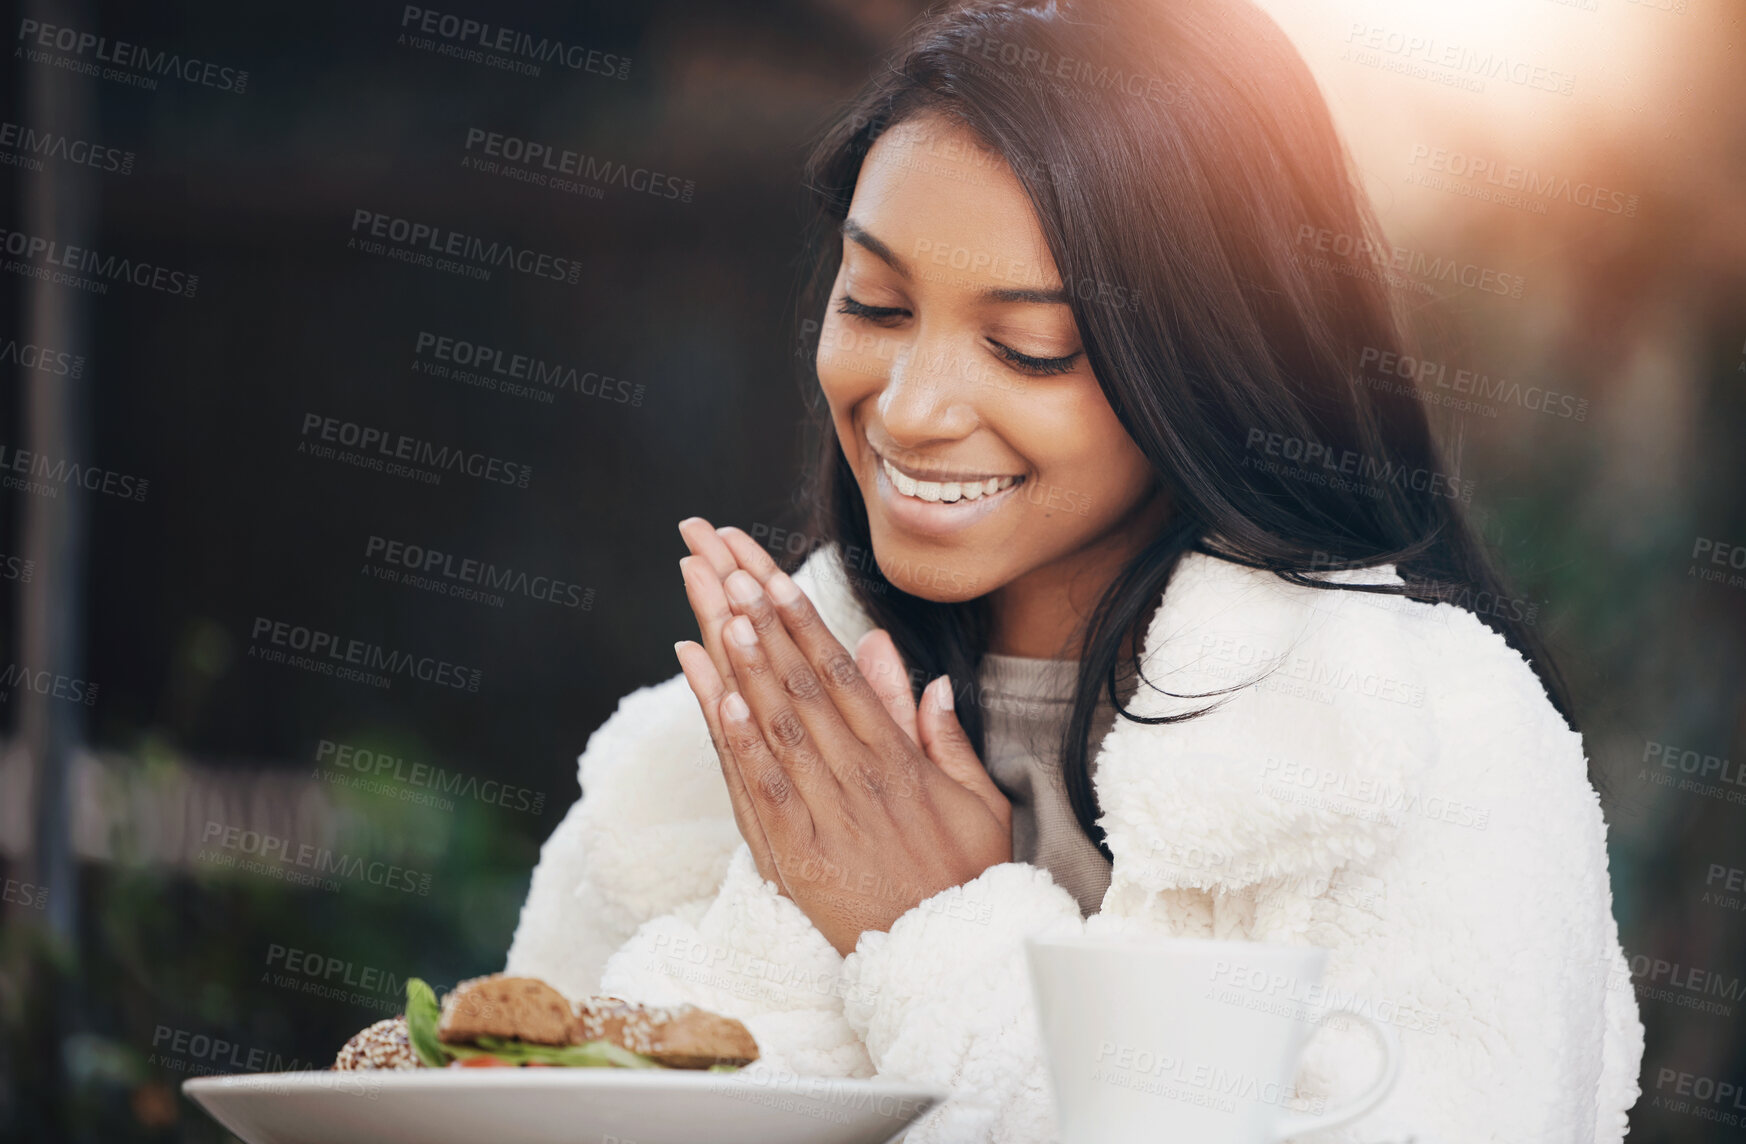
(1387,780)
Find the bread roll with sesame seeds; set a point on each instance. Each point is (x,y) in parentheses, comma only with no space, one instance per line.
(383,1045)
(526,1009)
(677,1036)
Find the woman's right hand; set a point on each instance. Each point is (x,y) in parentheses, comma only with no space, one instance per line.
(876,656)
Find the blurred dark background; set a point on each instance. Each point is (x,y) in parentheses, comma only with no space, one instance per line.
(153,747)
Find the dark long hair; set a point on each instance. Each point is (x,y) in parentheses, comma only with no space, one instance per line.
(1228,281)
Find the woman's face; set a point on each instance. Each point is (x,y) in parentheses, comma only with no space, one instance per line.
(959,389)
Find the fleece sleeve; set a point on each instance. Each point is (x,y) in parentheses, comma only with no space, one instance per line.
(751,954)
(944,998)
(653,830)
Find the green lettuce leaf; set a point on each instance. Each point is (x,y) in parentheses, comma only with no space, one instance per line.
(593,1054)
(423,1015)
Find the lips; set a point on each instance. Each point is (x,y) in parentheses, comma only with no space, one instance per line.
(945,492)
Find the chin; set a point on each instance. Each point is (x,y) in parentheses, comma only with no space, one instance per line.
(929,573)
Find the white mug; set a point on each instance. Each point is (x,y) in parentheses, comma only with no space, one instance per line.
(1184,1039)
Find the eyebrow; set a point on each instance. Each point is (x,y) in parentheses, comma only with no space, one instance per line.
(1050,297)
(859,235)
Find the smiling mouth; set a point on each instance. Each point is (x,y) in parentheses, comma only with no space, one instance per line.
(946,492)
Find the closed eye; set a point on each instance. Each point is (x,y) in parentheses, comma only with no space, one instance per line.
(881,314)
(1023,362)
(1043,366)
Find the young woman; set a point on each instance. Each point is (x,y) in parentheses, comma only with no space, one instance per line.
(1208,647)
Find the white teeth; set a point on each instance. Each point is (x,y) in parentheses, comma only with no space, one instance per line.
(947,492)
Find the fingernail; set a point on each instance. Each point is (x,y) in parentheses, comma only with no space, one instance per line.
(734,707)
(943,695)
(742,588)
(783,589)
(740,631)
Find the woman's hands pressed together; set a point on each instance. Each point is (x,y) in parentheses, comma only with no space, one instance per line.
(856,803)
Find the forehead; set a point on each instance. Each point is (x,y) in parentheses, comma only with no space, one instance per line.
(930,188)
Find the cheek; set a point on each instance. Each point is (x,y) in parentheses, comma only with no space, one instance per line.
(1089,469)
(853,362)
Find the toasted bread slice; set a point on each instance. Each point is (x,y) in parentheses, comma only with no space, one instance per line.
(677,1036)
(515,1008)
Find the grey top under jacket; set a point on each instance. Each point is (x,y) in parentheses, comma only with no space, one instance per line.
(1026,704)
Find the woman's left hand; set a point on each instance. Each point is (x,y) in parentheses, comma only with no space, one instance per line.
(860,821)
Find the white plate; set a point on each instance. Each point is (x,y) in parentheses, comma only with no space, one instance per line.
(557,1106)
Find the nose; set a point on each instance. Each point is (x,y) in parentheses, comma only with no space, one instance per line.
(930,394)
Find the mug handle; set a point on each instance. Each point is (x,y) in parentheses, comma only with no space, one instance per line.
(1298,1123)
